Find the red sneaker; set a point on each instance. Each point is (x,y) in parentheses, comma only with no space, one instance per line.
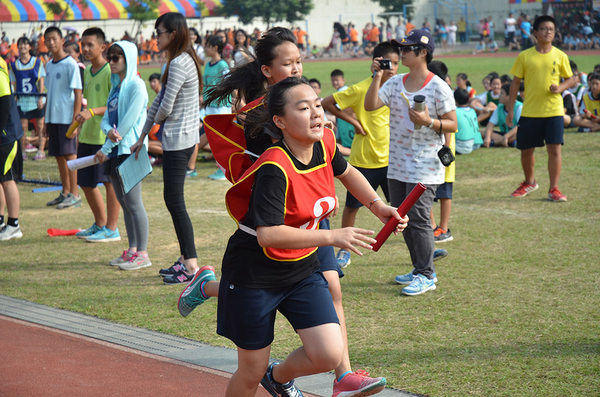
(556,196)
(524,189)
(358,384)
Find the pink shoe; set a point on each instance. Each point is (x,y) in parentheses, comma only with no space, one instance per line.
(39,156)
(30,148)
(358,384)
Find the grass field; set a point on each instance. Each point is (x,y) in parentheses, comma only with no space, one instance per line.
(515,312)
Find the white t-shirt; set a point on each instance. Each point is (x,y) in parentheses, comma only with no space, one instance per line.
(511,25)
(62,78)
(452,31)
(413,154)
(200,52)
(483,97)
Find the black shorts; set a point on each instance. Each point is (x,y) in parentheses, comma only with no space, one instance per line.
(247,315)
(444,191)
(8,154)
(90,176)
(58,143)
(326,254)
(533,132)
(32,114)
(377,177)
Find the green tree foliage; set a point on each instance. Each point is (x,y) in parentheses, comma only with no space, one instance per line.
(62,13)
(270,11)
(395,5)
(140,12)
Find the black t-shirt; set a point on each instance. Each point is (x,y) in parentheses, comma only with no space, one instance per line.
(244,262)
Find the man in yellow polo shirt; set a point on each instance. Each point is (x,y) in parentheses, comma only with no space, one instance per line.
(542,116)
(370,147)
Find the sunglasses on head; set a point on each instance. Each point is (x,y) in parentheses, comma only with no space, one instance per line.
(409,48)
(114,58)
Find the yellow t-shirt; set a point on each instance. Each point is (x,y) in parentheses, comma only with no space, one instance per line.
(451,169)
(539,72)
(4,83)
(3,64)
(371,150)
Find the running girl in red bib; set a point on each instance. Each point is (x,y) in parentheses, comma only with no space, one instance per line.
(271,263)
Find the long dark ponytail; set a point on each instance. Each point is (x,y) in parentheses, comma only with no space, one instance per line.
(260,120)
(248,78)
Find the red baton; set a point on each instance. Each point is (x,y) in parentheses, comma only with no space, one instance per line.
(406,205)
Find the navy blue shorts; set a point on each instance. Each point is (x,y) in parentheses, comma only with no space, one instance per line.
(326,254)
(32,114)
(533,132)
(90,176)
(444,191)
(246,316)
(377,177)
(58,143)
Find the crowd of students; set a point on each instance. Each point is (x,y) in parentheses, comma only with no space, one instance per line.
(281,257)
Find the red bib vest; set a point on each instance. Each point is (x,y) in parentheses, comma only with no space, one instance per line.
(309,196)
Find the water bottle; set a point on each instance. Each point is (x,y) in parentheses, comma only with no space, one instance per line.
(419,106)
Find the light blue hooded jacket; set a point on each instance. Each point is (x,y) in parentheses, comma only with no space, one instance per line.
(133,100)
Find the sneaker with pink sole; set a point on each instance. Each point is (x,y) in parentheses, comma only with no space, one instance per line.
(358,384)
(30,148)
(40,155)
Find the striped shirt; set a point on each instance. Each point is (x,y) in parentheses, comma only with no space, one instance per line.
(179,108)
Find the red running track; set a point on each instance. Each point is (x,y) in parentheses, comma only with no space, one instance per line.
(40,361)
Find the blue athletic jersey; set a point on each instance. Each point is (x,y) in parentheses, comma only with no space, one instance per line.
(26,78)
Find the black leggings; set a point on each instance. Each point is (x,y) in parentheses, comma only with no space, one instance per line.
(174,168)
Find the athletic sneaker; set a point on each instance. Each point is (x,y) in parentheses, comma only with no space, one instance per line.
(177,266)
(407,279)
(439,254)
(88,232)
(9,232)
(30,148)
(191,173)
(61,197)
(525,188)
(192,297)
(440,236)
(343,258)
(137,261)
(71,201)
(104,235)
(178,278)
(358,384)
(419,285)
(24,156)
(555,195)
(122,259)
(218,175)
(40,155)
(277,389)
